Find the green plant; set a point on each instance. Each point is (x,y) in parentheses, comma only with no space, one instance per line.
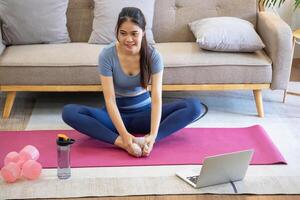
(269,3)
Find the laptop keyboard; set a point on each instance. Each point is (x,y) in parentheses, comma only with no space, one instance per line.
(193,179)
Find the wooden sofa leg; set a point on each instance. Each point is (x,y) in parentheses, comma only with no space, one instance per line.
(9,102)
(259,102)
(284,96)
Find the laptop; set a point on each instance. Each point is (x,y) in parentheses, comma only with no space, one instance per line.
(218,169)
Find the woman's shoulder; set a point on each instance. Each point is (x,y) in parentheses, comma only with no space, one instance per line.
(155,54)
(108,50)
(151,48)
(156,60)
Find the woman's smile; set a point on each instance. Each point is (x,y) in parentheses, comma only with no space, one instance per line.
(129,46)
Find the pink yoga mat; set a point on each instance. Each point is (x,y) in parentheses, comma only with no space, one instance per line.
(187,146)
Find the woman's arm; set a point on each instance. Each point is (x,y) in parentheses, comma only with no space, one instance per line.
(113,111)
(156,105)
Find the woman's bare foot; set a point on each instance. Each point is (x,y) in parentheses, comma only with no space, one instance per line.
(141,141)
(137,151)
(134,149)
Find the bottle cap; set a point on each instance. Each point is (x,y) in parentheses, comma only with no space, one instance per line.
(63,140)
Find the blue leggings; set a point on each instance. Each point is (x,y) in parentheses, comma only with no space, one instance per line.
(96,122)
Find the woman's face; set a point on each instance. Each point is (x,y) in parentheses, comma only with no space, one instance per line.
(130,37)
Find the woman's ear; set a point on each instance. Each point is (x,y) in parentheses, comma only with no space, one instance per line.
(144,33)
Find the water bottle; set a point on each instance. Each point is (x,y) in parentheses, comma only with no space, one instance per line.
(63,156)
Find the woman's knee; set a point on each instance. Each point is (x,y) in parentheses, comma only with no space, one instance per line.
(194,107)
(69,113)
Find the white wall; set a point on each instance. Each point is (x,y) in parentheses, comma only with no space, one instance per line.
(292,17)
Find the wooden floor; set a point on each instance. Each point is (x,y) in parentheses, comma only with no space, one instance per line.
(21,113)
(203,197)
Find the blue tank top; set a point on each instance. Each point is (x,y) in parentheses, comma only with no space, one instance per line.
(125,85)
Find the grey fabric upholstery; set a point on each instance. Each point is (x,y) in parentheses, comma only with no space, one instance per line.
(184,62)
(34,21)
(277,36)
(106,15)
(76,63)
(170,17)
(80,15)
(229,34)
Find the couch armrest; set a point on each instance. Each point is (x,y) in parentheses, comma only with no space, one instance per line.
(278,38)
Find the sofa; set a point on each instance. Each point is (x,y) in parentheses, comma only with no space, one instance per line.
(71,67)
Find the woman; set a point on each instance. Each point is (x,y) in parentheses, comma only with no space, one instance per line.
(126,67)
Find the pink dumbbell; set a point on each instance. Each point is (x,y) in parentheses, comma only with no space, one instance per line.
(10,172)
(11,157)
(31,169)
(29,152)
(21,164)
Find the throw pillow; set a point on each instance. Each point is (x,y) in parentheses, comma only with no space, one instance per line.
(106,14)
(226,34)
(2,46)
(34,21)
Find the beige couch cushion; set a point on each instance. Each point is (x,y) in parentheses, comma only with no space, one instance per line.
(69,54)
(185,63)
(180,54)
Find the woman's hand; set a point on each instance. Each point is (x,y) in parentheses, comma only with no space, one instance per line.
(131,147)
(127,139)
(148,145)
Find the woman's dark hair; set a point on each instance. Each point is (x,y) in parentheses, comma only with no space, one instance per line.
(136,16)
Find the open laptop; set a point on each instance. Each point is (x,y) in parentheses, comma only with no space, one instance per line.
(223,168)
